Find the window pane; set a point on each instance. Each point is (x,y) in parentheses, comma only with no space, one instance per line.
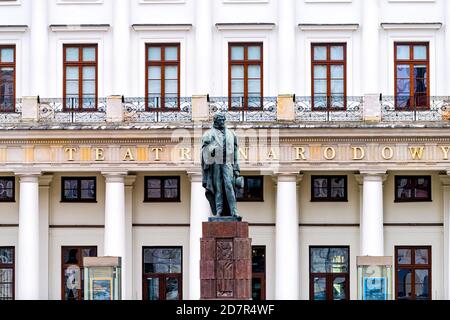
(88,252)
(88,73)
(421,256)
(339,288)
(71,194)
(172,292)
(320,53)
(70,256)
(320,187)
(6,256)
(171,87)
(154,87)
(72,87)
(403,71)
(72,54)
(254,86)
(403,52)
(153,288)
(237,53)
(72,73)
(337,53)
(420,52)
(320,87)
(256,289)
(162,260)
(337,72)
(89,54)
(170,193)
(171,72)
(403,102)
(171,54)
(6,192)
(403,86)
(171,183)
(258,260)
(154,183)
(237,87)
(421,188)
(254,53)
(154,54)
(254,188)
(254,72)
(320,72)
(72,282)
(89,88)
(154,72)
(7,55)
(421,284)
(154,193)
(320,288)
(337,86)
(404,256)
(404,290)
(338,188)
(237,72)
(87,194)
(329,260)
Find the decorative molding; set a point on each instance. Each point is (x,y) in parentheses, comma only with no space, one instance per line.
(79,27)
(162,27)
(411,25)
(245,26)
(328,27)
(13,28)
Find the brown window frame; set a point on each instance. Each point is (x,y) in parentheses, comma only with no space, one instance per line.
(80,264)
(399,200)
(162,198)
(413,267)
(329,198)
(329,277)
(10,65)
(80,64)
(246,63)
(79,199)
(328,63)
(261,195)
(411,62)
(13,199)
(261,275)
(162,276)
(13,267)
(162,63)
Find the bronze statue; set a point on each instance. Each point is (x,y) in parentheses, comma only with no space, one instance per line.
(220,168)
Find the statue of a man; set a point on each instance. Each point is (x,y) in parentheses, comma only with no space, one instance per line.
(220,168)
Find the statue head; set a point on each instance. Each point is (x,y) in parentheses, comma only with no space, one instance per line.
(219,121)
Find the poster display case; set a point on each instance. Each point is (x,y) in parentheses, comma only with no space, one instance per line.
(374,278)
(102,278)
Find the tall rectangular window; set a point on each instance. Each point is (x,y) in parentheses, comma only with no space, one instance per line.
(80,77)
(329,188)
(259,273)
(7,78)
(253,190)
(413,273)
(7,189)
(78,189)
(412,76)
(162,189)
(162,76)
(329,73)
(245,75)
(7,271)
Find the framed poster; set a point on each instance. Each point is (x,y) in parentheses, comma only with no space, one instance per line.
(101,289)
(374,289)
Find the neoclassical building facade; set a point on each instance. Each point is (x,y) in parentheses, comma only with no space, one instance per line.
(341,111)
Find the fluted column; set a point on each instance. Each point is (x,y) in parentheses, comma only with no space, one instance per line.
(286,46)
(287,285)
(372,220)
(44,213)
(121,48)
(203,46)
(39,48)
(28,271)
(115,220)
(445,179)
(200,211)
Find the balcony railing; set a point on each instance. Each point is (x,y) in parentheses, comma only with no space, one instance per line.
(11,113)
(329,109)
(412,109)
(256,110)
(69,110)
(150,110)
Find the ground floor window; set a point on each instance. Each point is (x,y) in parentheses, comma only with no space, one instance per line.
(72,271)
(329,273)
(7,273)
(162,273)
(259,273)
(413,273)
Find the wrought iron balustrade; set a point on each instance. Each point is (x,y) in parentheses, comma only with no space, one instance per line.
(255,110)
(72,110)
(150,110)
(11,111)
(423,108)
(329,109)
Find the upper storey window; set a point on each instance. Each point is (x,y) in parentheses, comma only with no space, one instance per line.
(329,76)
(245,80)
(80,76)
(7,78)
(412,77)
(163,76)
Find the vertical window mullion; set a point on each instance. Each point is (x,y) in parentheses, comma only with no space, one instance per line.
(163,77)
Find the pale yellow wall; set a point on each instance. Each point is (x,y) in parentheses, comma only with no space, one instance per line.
(9,211)
(260,212)
(62,213)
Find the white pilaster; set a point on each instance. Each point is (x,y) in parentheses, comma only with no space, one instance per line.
(44,212)
(445,179)
(39,48)
(372,220)
(200,211)
(28,273)
(203,46)
(121,48)
(127,293)
(115,221)
(371,46)
(286,46)
(287,286)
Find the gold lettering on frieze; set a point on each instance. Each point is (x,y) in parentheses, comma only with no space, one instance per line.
(157,152)
(272,155)
(359,153)
(99,154)
(70,152)
(387,153)
(329,153)
(416,152)
(244,153)
(185,154)
(300,153)
(129,155)
(445,151)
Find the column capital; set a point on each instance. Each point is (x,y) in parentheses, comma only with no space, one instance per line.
(115,176)
(195,175)
(371,175)
(130,180)
(28,175)
(45,180)
(287,177)
(445,179)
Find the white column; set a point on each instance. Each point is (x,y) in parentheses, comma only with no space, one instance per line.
(39,48)
(28,254)
(127,293)
(445,179)
(287,286)
(121,48)
(286,46)
(115,222)
(447,46)
(203,46)
(372,222)
(371,46)
(200,211)
(44,212)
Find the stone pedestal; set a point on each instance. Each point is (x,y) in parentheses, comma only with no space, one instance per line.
(226,261)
